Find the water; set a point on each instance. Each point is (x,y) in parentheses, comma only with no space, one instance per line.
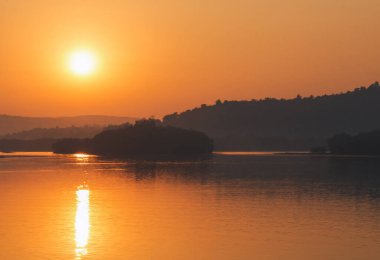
(234,206)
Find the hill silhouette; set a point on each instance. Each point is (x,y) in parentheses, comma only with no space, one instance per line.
(55,133)
(146,138)
(12,124)
(283,124)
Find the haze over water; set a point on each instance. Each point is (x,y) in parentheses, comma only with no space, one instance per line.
(229,207)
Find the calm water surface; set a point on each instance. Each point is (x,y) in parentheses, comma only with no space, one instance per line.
(248,206)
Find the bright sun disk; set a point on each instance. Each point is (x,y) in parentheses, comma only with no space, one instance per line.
(82,62)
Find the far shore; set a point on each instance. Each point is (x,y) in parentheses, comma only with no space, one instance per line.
(222,153)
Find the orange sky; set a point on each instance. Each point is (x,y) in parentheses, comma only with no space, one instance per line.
(158,57)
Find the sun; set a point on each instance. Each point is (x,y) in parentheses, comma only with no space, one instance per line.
(82,62)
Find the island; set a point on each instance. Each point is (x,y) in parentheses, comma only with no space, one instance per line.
(364,143)
(145,138)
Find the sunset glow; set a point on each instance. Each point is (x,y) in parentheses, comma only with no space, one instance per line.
(228,50)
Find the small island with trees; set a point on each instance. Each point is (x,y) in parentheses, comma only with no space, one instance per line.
(146,138)
(362,144)
(365,143)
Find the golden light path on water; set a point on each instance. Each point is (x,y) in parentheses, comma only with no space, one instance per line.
(82,221)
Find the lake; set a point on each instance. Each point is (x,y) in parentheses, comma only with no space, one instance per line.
(232,206)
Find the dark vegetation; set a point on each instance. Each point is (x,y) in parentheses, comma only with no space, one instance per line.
(143,139)
(366,143)
(283,124)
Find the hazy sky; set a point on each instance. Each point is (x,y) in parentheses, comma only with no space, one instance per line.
(157,57)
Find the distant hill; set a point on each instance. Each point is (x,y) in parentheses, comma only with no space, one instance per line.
(12,124)
(283,124)
(55,133)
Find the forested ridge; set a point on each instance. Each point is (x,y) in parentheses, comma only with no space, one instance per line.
(284,124)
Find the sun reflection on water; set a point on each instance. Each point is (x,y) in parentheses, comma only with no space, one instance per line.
(81,155)
(81,158)
(82,221)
